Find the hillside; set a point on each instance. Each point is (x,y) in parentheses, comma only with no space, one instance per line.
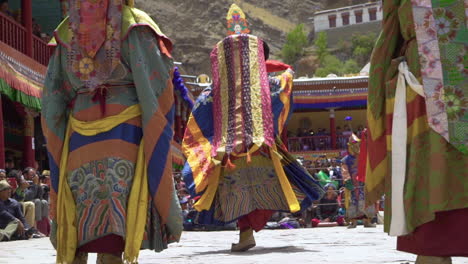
(195,26)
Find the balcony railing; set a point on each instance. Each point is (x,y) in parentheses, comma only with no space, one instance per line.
(316,143)
(41,52)
(14,35)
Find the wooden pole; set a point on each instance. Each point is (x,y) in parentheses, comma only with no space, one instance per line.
(26,9)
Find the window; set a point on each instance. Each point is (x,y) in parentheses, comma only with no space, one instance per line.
(345,18)
(373,14)
(358,14)
(332,21)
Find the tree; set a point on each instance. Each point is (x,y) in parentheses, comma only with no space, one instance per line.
(321,45)
(362,46)
(332,65)
(296,41)
(351,66)
(329,65)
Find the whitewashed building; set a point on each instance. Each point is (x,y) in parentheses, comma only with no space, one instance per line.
(347,16)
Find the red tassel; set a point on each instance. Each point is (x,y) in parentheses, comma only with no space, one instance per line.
(249,158)
(229,164)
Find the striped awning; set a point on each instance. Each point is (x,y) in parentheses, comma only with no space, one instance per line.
(334,92)
(321,99)
(21,77)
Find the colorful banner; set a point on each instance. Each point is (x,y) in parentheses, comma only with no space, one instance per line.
(21,77)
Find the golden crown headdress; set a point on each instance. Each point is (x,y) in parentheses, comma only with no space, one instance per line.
(236,22)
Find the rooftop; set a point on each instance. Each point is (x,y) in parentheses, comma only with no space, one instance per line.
(346,8)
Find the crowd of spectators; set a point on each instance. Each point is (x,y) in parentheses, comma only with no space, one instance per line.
(314,140)
(24,202)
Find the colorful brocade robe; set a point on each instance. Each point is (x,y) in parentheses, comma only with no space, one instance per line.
(418,75)
(111,170)
(236,162)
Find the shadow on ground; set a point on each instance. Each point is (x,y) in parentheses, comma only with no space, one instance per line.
(258,251)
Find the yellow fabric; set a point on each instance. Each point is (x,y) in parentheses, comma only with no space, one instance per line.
(67,234)
(224,98)
(347,197)
(137,209)
(256,94)
(193,154)
(130,17)
(285,185)
(204,203)
(286,86)
(93,128)
(67,240)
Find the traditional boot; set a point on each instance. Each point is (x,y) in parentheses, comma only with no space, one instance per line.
(81,258)
(246,241)
(105,258)
(368,223)
(433,260)
(352,224)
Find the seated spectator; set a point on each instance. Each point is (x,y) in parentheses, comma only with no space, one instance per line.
(9,165)
(2,174)
(327,210)
(335,173)
(35,193)
(28,207)
(36,28)
(347,131)
(13,226)
(180,184)
(183,193)
(4,8)
(338,130)
(45,37)
(184,205)
(45,184)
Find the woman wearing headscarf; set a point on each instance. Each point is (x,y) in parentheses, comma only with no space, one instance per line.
(235,158)
(327,209)
(107,116)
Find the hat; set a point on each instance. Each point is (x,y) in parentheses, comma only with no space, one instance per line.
(4,185)
(236,22)
(45,173)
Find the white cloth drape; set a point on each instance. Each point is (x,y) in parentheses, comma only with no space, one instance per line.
(399,144)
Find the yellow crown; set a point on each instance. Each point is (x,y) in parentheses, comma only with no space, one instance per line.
(236,22)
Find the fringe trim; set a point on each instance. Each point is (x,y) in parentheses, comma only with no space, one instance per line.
(23,59)
(15,89)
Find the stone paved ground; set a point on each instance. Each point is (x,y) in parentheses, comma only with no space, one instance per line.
(335,245)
